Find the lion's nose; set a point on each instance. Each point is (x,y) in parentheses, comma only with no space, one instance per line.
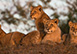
(47,29)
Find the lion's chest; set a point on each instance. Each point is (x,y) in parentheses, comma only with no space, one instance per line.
(73,39)
(52,37)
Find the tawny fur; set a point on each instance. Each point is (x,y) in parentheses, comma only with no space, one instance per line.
(31,38)
(2,33)
(53,31)
(66,39)
(73,32)
(11,39)
(38,14)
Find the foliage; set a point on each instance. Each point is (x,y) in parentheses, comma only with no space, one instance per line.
(8,14)
(24,11)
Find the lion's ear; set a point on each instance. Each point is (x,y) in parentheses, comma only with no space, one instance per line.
(40,7)
(70,23)
(56,21)
(31,7)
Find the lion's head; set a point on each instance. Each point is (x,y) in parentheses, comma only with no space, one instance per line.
(36,12)
(73,28)
(50,25)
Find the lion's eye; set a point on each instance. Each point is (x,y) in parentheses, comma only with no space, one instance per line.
(34,11)
(51,24)
(73,28)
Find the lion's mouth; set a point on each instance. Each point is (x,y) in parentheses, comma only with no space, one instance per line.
(75,34)
(34,18)
(48,31)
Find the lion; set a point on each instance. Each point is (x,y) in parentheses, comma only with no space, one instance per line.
(73,32)
(31,38)
(38,15)
(5,41)
(53,31)
(10,39)
(16,38)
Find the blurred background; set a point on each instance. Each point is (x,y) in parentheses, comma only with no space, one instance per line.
(15,14)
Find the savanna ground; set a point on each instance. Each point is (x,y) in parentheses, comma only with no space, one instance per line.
(40,49)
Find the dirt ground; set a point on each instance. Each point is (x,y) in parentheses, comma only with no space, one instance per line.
(40,49)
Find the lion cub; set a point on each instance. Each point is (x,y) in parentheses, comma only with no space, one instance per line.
(73,32)
(38,15)
(31,38)
(10,39)
(53,31)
